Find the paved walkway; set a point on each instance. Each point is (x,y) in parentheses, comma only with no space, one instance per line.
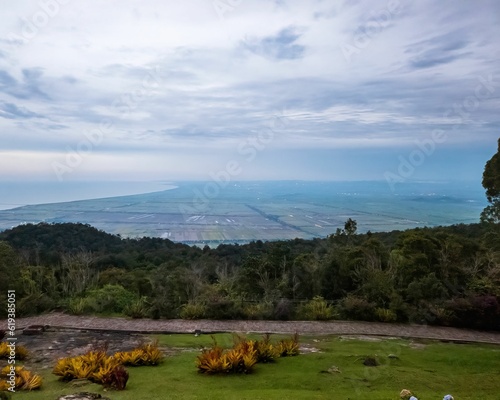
(58,320)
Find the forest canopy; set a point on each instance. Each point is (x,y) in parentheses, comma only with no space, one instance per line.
(445,276)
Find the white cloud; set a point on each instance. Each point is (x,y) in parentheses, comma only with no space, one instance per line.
(179,76)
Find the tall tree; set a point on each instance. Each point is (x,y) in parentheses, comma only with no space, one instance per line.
(9,268)
(491,182)
(350,227)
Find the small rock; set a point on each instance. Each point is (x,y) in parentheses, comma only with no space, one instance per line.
(394,356)
(334,370)
(80,382)
(33,330)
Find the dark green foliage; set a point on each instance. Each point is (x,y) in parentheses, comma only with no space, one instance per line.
(224,308)
(110,299)
(480,312)
(9,273)
(386,315)
(445,275)
(350,227)
(283,310)
(34,303)
(258,310)
(357,308)
(316,309)
(78,306)
(137,309)
(193,310)
(491,182)
(5,396)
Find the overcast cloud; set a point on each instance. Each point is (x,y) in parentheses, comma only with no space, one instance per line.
(288,89)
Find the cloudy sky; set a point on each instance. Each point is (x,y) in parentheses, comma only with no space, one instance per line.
(256,89)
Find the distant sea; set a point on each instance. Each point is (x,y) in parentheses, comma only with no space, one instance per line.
(211,213)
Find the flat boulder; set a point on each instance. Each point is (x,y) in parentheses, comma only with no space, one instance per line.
(83,396)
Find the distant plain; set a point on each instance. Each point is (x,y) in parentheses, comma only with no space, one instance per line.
(239,212)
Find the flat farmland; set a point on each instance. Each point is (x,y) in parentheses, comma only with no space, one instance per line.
(195,213)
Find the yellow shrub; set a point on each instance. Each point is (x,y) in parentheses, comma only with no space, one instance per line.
(93,357)
(4,350)
(240,359)
(33,382)
(63,368)
(147,354)
(5,370)
(266,352)
(105,369)
(233,358)
(210,361)
(244,355)
(21,351)
(249,360)
(4,386)
(87,366)
(24,379)
(289,347)
(133,357)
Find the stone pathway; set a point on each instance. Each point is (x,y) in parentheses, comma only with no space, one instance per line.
(61,321)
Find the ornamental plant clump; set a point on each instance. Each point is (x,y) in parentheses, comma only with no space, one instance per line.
(117,378)
(266,351)
(386,315)
(289,347)
(193,310)
(24,379)
(21,351)
(94,366)
(240,359)
(98,367)
(147,354)
(243,356)
(316,309)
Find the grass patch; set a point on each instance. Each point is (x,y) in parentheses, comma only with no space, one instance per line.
(468,371)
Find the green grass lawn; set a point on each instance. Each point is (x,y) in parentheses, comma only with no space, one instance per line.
(465,370)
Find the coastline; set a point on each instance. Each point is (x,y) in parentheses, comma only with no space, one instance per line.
(15,195)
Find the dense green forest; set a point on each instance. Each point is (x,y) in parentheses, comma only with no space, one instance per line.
(443,276)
